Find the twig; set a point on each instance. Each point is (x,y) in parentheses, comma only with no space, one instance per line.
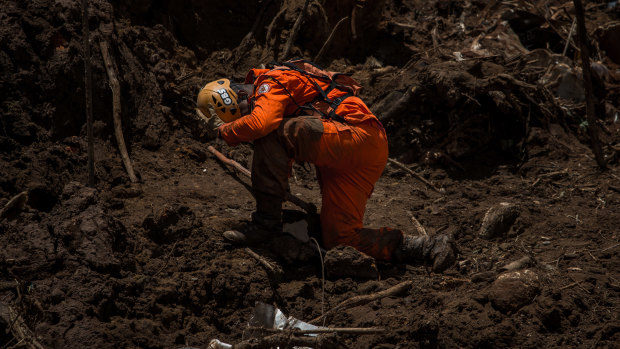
(17,203)
(294,31)
(19,329)
(415,175)
(167,259)
(569,286)
(329,39)
(308,207)
(116,110)
(610,247)
(275,272)
(587,79)
(570,34)
(349,330)
(89,94)
(364,299)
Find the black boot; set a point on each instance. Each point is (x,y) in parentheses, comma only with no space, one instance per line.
(437,250)
(259,230)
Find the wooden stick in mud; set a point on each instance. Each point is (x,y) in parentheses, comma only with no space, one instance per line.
(348,330)
(116,109)
(364,299)
(308,207)
(329,39)
(89,94)
(415,175)
(587,81)
(18,327)
(293,35)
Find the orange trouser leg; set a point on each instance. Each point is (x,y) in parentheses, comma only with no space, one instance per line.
(349,160)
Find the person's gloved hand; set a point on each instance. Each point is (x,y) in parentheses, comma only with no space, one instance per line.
(212,123)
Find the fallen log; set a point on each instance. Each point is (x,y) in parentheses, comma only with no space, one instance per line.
(306,206)
(116,110)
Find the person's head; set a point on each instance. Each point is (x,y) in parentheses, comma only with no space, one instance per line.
(226,100)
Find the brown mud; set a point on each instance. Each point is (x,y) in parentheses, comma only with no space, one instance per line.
(482,99)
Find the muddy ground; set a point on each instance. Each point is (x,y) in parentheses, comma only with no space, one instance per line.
(483,100)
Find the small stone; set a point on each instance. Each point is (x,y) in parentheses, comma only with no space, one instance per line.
(513,290)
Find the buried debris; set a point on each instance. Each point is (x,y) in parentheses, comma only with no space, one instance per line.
(16,204)
(346,261)
(498,220)
(513,290)
(287,331)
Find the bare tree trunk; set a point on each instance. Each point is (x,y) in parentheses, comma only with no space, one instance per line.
(587,80)
(89,94)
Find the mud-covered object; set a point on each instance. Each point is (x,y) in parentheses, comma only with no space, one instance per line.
(513,290)
(85,230)
(346,262)
(498,220)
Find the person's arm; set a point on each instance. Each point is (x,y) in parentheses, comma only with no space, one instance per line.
(269,107)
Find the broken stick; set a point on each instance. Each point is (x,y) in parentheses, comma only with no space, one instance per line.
(18,328)
(116,109)
(415,175)
(294,31)
(364,299)
(329,39)
(306,206)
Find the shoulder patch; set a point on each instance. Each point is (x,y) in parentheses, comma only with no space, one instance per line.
(264,88)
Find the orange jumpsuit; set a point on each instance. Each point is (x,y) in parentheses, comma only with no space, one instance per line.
(349,156)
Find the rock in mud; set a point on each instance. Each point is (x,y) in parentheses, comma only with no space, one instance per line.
(347,262)
(513,290)
(498,220)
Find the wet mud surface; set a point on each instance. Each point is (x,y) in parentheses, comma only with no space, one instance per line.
(484,101)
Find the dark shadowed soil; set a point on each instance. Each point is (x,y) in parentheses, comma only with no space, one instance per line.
(484,100)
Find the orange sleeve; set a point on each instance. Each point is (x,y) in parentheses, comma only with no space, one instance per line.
(266,116)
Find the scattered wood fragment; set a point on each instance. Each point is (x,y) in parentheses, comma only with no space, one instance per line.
(415,175)
(17,203)
(275,271)
(116,109)
(418,227)
(348,330)
(308,207)
(329,39)
(364,299)
(18,328)
(294,31)
(518,264)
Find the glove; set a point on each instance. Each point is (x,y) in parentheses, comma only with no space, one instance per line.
(212,123)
